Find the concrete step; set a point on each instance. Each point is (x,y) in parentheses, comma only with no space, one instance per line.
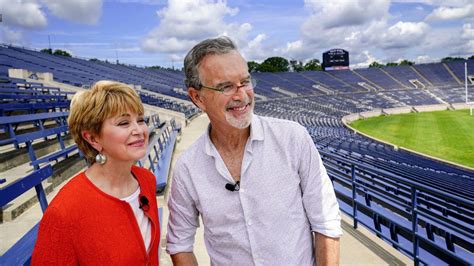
(11,157)
(62,171)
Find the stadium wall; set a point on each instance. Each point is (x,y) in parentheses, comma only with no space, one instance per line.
(398,110)
(458,106)
(431,108)
(25,74)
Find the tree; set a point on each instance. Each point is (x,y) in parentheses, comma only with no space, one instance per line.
(253,66)
(471,57)
(274,64)
(405,62)
(47,51)
(296,66)
(160,68)
(375,64)
(313,64)
(154,67)
(447,59)
(391,64)
(61,52)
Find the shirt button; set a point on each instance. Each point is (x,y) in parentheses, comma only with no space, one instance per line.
(249,222)
(241,190)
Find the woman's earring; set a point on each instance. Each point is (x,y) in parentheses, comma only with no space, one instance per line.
(100,158)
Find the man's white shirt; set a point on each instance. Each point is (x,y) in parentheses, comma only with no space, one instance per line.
(285,194)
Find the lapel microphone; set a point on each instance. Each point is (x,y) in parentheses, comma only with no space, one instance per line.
(144,203)
(233,187)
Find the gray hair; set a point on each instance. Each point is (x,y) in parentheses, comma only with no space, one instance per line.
(219,45)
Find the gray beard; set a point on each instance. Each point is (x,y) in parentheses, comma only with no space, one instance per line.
(241,123)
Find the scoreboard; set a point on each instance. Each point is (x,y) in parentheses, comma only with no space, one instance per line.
(336,59)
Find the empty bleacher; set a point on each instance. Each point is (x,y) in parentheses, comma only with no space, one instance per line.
(457,68)
(380,78)
(328,81)
(318,101)
(437,74)
(351,78)
(83,73)
(321,113)
(404,74)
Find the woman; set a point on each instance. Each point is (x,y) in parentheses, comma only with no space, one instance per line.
(106,215)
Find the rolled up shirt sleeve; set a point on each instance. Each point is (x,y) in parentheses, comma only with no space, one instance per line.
(183,219)
(319,198)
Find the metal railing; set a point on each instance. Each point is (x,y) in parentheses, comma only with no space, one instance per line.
(427,224)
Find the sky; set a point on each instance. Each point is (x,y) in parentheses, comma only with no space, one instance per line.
(160,32)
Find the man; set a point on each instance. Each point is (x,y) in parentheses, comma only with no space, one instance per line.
(258,183)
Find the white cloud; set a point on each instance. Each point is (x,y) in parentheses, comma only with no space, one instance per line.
(364,59)
(10,36)
(293,47)
(419,8)
(451,13)
(24,14)
(363,27)
(184,22)
(256,50)
(143,2)
(452,41)
(301,50)
(452,3)
(175,57)
(422,59)
(188,18)
(338,13)
(351,25)
(403,35)
(128,49)
(238,33)
(166,45)
(373,34)
(81,11)
(83,44)
(467,36)
(21,15)
(467,32)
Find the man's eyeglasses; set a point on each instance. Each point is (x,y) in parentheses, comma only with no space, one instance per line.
(231,88)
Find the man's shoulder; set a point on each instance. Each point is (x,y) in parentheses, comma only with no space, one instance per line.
(280,125)
(196,150)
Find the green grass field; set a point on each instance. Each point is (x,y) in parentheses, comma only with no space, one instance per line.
(448,135)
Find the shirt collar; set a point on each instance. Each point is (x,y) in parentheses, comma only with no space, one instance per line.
(256,129)
(207,141)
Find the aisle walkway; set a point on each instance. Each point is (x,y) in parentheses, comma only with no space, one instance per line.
(358,247)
